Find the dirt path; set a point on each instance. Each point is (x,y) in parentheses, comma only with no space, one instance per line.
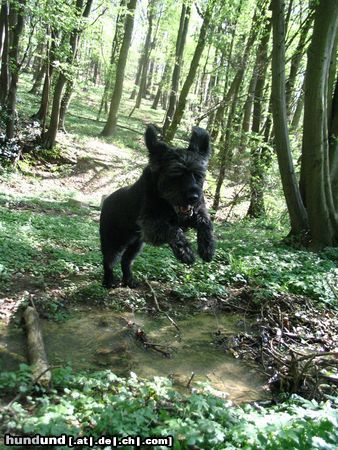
(90,169)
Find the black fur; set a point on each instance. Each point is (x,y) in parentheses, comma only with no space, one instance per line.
(164,202)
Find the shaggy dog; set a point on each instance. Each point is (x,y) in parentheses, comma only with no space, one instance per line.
(164,202)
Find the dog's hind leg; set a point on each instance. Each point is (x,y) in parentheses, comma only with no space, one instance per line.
(126,262)
(109,260)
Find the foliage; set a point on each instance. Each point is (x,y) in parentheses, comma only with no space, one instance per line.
(103,404)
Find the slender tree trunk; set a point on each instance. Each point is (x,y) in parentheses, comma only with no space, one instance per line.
(138,75)
(3,18)
(316,181)
(247,115)
(16,16)
(50,135)
(333,149)
(65,104)
(299,108)
(41,114)
(232,94)
(191,74)
(297,212)
(116,47)
(163,83)
(146,56)
(175,80)
(110,126)
(296,61)
(4,75)
(38,80)
(258,160)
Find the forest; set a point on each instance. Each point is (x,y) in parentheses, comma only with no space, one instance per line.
(232,345)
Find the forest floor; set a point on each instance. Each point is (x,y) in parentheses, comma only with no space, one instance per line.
(285,298)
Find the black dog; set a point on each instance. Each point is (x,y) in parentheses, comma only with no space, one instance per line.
(164,201)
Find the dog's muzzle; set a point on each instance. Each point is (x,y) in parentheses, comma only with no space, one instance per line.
(185,211)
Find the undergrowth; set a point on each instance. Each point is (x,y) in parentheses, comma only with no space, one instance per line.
(56,241)
(103,404)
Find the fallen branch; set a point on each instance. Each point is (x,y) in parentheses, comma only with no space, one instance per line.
(158,306)
(36,349)
(141,336)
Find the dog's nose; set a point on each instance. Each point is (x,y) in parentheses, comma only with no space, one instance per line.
(192,198)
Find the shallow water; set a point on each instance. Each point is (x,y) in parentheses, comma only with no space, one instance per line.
(98,340)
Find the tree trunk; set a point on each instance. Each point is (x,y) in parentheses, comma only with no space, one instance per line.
(38,80)
(191,74)
(138,75)
(65,104)
(41,114)
(316,181)
(175,80)
(3,18)
(163,83)
(146,55)
(296,209)
(258,160)
(50,135)
(333,149)
(232,95)
(110,126)
(295,62)
(16,17)
(115,51)
(4,75)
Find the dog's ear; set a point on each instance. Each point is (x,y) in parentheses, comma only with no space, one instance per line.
(154,145)
(150,137)
(200,142)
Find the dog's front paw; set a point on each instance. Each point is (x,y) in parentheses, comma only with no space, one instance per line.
(183,253)
(206,250)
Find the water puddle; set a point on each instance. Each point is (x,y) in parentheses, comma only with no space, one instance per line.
(102,340)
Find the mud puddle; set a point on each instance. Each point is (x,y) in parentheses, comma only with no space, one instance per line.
(107,340)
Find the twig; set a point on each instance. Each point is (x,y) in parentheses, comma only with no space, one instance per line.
(20,394)
(158,306)
(190,379)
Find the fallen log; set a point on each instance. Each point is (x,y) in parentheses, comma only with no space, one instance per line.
(36,349)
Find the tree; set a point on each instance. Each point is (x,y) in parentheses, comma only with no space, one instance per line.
(233,95)
(4,75)
(175,80)
(319,152)
(74,36)
(297,212)
(192,72)
(258,152)
(110,125)
(15,29)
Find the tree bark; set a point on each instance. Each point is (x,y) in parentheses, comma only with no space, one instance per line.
(170,133)
(146,55)
(16,17)
(296,209)
(258,159)
(116,47)
(163,83)
(175,80)
(50,135)
(110,126)
(295,62)
(232,95)
(4,75)
(316,181)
